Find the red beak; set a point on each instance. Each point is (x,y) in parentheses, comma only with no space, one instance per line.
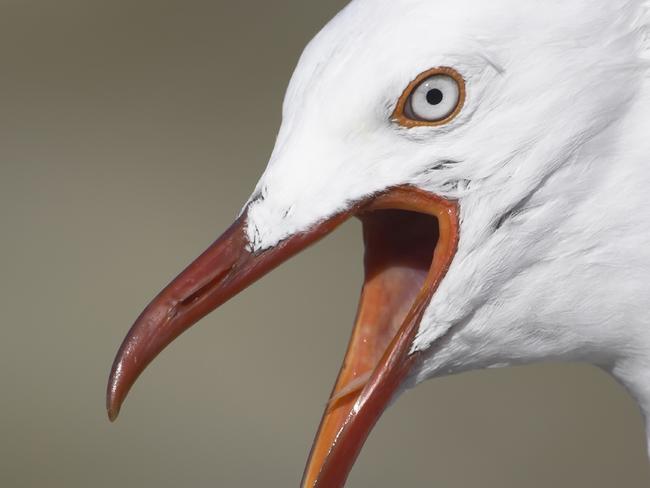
(410,238)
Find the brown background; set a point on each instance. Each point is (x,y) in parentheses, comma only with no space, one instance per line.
(130,134)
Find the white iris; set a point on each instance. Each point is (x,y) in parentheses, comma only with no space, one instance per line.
(435,98)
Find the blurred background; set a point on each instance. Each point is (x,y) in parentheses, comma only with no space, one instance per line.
(131,132)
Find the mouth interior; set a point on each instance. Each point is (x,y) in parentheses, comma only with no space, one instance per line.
(399,251)
(399,247)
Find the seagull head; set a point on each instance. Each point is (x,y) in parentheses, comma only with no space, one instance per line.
(478,143)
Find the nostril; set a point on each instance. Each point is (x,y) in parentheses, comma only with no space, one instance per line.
(205,289)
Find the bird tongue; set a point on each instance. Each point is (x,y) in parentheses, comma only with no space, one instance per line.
(410,239)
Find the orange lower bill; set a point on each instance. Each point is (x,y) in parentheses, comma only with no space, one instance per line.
(410,238)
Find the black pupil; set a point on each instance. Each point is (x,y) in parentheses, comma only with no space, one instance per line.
(434,97)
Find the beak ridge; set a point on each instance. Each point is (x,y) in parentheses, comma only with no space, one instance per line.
(223,270)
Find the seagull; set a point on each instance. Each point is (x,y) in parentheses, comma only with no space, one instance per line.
(498,156)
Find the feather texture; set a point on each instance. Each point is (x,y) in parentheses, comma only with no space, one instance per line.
(549,159)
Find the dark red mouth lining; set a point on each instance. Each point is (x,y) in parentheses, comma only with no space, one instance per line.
(399,239)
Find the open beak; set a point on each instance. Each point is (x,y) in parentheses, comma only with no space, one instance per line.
(410,239)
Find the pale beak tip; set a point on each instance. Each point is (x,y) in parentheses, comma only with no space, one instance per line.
(113,399)
(113,413)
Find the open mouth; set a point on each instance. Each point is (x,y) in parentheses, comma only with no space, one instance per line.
(399,247)
(405,258)
(410,238)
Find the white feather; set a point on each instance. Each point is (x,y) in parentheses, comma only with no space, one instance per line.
(549,159)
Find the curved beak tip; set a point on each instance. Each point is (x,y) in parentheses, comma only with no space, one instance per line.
(115,393)
(113,413)
(112,404)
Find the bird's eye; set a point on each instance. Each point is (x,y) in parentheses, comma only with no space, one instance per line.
(433,98)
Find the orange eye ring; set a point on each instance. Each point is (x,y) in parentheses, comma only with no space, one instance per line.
(403,118)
